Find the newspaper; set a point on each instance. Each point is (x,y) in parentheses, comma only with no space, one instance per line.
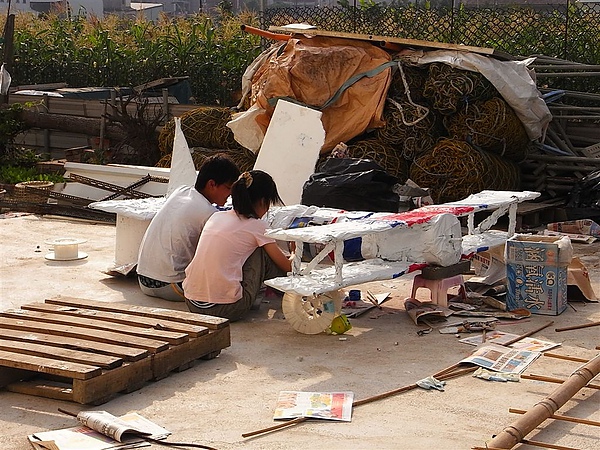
(317,405)
(500,338)
(502,359)
(426,312)
(100,430)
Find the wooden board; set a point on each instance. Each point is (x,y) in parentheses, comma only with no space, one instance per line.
(384,41)
(85,351)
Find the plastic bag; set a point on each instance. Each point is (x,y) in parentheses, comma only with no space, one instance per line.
(353,185)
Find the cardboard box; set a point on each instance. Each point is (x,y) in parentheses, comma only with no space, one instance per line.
(536,271)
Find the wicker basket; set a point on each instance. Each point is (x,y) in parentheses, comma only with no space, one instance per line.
(32,191)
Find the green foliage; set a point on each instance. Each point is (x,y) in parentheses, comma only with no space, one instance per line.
(115,51)
(10,125)
(15,174)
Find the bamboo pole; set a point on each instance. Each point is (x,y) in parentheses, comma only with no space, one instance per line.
(567,358)
(448,373)
(544,445)
(443,375)
(515,433)
(533,376)
(561,417)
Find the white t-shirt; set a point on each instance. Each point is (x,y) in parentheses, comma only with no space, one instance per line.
(170,241)
(215,273)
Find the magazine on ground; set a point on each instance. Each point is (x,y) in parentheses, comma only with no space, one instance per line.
(316,405)
(502,359)
(100,430)
(426,312)
(500,338)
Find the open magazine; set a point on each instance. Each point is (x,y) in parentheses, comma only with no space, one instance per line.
(502,359)
(317,405)
(500,338)
(100,430)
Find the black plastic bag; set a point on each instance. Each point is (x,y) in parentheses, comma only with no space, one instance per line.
(586,192)
(353,185)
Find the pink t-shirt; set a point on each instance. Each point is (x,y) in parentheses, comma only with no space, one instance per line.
(227,240)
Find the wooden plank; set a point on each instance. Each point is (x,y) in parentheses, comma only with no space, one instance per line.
(182,355)
(100,389)
(382,40)
(78,356)
(49,366)
(126,353)
(43,388)
(171,337)
(110,337)
(68,361)
(211,322)
(149,322)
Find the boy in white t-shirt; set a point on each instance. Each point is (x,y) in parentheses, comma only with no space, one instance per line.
(172,236)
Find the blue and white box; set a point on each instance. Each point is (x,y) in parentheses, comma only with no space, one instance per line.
(536,272)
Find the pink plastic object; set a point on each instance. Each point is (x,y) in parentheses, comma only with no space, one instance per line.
(438,288)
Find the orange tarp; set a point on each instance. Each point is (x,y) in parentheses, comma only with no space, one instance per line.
(311,70)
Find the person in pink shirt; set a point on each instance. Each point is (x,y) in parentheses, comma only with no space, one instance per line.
(233,256)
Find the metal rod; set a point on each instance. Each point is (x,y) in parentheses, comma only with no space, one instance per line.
(577,327)
(574,159)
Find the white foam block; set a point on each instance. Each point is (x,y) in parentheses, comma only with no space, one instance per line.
(291,148)
(183,172)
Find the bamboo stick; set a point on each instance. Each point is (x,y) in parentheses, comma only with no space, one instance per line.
(448,373)
(527,334)
(568,358)
(544,445)
(443,375)
(561,417)
(533,376)
(577,327)
(515,432)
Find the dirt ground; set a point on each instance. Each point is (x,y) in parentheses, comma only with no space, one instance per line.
(215,401)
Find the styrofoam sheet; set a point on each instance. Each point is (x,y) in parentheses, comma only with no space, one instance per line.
(322,279)
(291,148)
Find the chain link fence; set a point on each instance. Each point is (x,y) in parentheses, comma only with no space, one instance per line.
(567,31)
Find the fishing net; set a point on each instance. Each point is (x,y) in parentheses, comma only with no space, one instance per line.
(383,153)
(448,89)
(413,129)
(202,127)
(242,157)
(408,81)
(453,170)
(491,125)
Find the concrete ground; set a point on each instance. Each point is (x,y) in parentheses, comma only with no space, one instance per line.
(215,401)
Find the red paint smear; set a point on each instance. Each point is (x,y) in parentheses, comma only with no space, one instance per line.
(425,214)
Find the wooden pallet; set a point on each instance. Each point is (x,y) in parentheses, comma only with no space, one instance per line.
(87,351)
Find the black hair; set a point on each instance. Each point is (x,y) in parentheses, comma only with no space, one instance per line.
(219,168)
(252,187)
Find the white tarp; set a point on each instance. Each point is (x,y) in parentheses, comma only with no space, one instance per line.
(511,78)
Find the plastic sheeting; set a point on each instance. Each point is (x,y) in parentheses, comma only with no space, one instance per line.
(311,70)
